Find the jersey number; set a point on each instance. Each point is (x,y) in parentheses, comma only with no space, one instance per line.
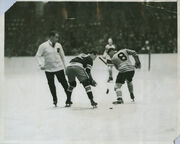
(122,56)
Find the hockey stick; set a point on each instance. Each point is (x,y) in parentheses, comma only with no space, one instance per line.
(107,91)
(103,60)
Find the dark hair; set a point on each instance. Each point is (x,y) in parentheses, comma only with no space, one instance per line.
(93,52)
(52,33)
(109,50)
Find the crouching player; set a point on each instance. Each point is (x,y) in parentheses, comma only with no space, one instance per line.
(126,70)
(80,68)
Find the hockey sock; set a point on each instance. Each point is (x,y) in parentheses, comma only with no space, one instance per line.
(90,96)
(130,87)
(89,92)
(118,93)
(69,92)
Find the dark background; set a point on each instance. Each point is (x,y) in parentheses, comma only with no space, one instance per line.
(85,26)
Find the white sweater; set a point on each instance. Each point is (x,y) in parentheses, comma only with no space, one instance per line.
(51,58)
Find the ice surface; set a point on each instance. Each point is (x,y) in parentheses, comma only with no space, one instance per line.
(28,115)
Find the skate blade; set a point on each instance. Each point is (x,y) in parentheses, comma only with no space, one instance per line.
(67,105)
(116,103)
(94,106)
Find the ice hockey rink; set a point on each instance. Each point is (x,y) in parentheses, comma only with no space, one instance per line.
(28,115)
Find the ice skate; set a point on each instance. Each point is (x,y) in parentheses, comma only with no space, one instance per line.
(55,103)
(132,97)
(68,103)
(94,104)
(119,101)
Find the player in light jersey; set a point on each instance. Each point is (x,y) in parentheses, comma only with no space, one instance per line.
(108,59)
(126,70)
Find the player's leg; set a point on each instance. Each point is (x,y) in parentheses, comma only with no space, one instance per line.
(110,73)
(84,79)
(130,88)
(50,79)
(72,84)
(62,79)
(118,91)
(119,82)
(129,77)
(110,67)
(87,87)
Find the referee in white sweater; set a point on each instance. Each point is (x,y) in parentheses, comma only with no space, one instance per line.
(50,56)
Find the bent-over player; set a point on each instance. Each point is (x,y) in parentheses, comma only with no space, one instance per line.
(80,67)
(126,70)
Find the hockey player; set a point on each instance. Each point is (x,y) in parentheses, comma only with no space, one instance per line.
(108,59)
(80,68)
(126,70)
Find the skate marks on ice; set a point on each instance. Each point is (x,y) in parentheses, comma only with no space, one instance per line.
(72,107)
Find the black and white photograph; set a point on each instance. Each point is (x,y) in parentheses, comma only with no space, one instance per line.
(90,72)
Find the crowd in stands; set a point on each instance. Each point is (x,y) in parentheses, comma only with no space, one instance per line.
(128,27)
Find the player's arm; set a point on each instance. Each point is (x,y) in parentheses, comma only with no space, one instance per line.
(61,53)
(136,58)
(92,81)
(39,55)
(88,70)
(114,63)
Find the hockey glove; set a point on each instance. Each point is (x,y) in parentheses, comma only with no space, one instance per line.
(138,65)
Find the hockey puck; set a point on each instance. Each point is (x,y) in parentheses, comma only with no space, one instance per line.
(110,108)
(107,91)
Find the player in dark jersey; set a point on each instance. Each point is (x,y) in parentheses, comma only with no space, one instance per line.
(80,68)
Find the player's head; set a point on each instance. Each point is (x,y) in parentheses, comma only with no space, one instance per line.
(146,42)
(53,36)
(111,52)
(110,41)
(93,54)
